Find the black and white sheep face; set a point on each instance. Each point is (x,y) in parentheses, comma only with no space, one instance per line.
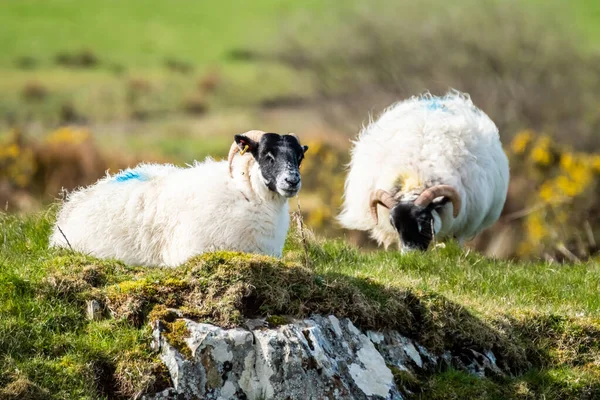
(415,224)
(279,158)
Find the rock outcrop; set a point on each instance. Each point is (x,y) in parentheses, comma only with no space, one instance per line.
(315,358)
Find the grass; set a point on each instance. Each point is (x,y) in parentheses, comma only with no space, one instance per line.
(541,320)
(138,32)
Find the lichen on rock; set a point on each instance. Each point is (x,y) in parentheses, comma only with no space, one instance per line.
(318,357)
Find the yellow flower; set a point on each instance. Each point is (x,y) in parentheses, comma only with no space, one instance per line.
(535,227)
(541,152)
(547,192)
(566,161)
(595,162)
(520,141)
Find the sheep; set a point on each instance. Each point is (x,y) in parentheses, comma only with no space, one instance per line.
(161,215)
(432,167)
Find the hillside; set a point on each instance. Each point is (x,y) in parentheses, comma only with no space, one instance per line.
(542,319)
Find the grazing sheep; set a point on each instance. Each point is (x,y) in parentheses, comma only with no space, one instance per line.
(162,215)
(429,166)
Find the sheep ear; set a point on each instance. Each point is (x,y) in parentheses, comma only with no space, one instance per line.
(246,144)
(304,148)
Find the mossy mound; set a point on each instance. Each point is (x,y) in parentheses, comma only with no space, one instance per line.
(225,288)
(541,321)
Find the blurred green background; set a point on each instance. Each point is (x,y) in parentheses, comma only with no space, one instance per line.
(96,85)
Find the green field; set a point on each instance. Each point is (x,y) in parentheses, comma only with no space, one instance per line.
(143,33)
(543,319)
(139,33)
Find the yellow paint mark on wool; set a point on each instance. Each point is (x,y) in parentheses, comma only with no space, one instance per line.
(408,182)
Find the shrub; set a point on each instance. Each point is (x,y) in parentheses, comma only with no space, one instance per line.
(195,104)
(34,170)
(322,185)
(34,91)
(563,216)
(84,58)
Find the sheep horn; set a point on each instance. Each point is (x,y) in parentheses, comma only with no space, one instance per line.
(381,197)
(434,192)
(234,149)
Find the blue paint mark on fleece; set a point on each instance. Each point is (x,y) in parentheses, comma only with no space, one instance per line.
(129,176)
(434,104)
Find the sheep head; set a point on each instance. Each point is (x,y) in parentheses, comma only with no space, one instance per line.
(415,221)
(278,158)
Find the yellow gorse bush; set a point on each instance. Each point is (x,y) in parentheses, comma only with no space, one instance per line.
(566,186)
(68,135)
(322,185)
(17,162)
(18,159)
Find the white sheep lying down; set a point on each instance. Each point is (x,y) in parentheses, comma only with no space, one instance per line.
(161,215)
(428,167)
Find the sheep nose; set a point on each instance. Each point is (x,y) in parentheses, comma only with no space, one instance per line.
(292,180)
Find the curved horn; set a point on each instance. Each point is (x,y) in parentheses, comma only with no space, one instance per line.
(382,197)
(234,149)
(434,192)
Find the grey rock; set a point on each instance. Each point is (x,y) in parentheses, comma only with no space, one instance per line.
(315,358)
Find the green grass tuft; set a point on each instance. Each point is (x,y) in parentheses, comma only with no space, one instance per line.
(541,320)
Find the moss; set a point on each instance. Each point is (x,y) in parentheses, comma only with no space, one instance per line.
(161,313)
(276,320)
(405,379)
(176,333)
(134,299)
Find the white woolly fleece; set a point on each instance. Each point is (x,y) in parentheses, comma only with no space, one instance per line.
(161,215)
(421,142)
